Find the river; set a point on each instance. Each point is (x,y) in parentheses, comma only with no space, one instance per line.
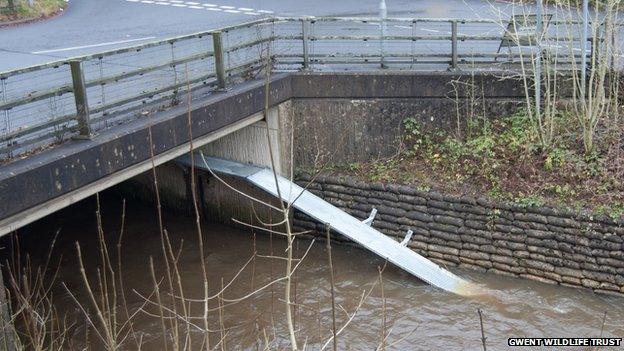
(408,314)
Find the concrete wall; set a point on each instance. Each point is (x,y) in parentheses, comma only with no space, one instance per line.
(217,202)
(343,118)
(249,145)
(339,130)
(535,243)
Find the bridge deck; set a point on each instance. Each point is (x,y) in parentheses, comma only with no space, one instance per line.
(342,222)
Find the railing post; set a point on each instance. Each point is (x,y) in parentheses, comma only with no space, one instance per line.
(7,120)
(383,16)
(305,34)
(453,45)
(219,60)
(80,96)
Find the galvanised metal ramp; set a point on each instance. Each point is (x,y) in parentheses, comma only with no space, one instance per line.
(359,231)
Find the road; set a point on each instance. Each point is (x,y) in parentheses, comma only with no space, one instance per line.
(89,26)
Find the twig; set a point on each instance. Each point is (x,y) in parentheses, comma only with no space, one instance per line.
(333,298)
(483,338)
(197,217)
(160,305)
(383,311)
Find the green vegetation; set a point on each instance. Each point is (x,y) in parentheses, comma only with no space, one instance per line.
(504,159)
(11,10)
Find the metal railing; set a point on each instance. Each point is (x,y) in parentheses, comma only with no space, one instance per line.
(49,103)
(411,42)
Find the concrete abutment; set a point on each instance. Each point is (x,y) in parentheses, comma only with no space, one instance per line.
(217,201)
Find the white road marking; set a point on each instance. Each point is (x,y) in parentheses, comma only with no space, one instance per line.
(406,27)
(205,6)
(91,46)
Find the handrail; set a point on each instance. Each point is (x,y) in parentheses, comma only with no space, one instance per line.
(139,47)
(424,20)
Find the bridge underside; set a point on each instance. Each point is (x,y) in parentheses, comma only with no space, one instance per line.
(38,185)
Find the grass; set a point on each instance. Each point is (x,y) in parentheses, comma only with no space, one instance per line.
(503,159)
(40,9)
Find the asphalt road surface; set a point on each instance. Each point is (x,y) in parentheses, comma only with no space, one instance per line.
(89,26)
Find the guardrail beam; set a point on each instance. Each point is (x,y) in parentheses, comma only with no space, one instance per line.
(383,27)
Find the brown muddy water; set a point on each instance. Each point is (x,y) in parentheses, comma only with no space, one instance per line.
(418,316)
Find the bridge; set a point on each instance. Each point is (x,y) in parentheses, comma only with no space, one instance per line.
(44,182)
(50,103)
(95,121)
